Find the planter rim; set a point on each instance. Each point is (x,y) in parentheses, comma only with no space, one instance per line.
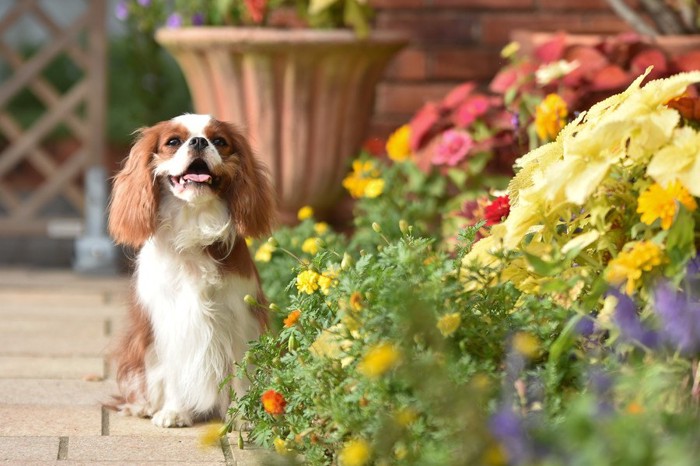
(212,35)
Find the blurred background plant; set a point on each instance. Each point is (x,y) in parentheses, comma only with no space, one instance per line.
(149,15)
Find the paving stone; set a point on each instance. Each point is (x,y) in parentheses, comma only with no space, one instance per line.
(59,367)
(130,425)
(55,392)
(32,344)
(43,420)
(28,448)
(140,448)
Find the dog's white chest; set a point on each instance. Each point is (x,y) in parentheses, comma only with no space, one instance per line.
(200,322)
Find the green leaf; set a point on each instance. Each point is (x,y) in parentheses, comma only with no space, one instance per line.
(356,16)
(317,6)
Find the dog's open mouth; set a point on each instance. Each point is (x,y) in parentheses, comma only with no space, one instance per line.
(197,174)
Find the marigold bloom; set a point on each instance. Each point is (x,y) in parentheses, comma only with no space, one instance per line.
(379,359)
(448,323)
(550,117)
(659,203)
(398,146)
(310,246)
(355,453)
(273,402)
(628,266)
(307,281)
(264,252)
(211,435)
(327,280)
(356,301)
(526,344)
(292,318)
(305,212)
(454,146)
(320,228)
(364,181)
(497,211)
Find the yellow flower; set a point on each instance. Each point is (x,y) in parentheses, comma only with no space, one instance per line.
(356,301)
(320,228)
(550,117)
(281,446)
(510,49)
(307,281)
(659,203)
(406,416)
(678,160)
(264,252)
(211,434)
(448,323)
(360,180)
(398,145)
(355,453)
(305,212)
(310,246)
(526,344)
(327,280)
(628,266)
(374,188)
(379,359)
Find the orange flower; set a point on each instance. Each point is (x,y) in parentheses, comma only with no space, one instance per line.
(292,318)
(273,402)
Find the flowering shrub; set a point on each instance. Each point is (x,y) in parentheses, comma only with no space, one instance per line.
(566,331)
(151,14)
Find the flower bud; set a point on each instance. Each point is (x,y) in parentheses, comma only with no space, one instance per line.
(404,227)
(292,343)
(376,227)
(274,307)
(272,241)
(250,300)
(240,441)
(347,261)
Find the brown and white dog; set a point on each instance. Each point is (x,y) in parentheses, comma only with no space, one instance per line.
(188,195)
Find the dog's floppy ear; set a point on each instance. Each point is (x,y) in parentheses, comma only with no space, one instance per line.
(134,205)
(251,196)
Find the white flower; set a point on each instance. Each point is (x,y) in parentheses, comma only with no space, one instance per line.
(545,74)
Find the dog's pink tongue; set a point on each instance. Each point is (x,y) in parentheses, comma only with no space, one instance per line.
(197,177)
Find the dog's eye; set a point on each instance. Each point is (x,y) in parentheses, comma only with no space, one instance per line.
(219,142)
(175,141)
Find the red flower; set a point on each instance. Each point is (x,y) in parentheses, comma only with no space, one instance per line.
(273,402)
(497,211)
(256,9)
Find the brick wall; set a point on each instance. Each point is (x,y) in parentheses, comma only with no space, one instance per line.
(457,40)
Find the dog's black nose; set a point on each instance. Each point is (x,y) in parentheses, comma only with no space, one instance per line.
(199,143)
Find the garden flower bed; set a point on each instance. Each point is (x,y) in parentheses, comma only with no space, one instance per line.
(545,316)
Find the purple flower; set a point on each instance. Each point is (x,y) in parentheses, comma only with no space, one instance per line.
(680,318)
(174,20)
(453,147)
(144,3)
(121,11)
(508,428)
(198,19)
(627,319)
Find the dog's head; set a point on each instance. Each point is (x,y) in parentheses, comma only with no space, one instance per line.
(194,158)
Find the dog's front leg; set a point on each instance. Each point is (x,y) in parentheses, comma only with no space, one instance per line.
(173,413)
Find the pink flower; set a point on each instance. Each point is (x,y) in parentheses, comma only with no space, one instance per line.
(453,147)
(472,109)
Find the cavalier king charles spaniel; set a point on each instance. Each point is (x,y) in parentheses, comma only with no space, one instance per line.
(188,195)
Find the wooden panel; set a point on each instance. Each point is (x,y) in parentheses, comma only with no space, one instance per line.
(80,109)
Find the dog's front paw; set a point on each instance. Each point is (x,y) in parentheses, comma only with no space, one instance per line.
(170,418)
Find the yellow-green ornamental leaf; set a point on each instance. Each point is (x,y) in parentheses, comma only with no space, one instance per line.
(317,6)
(679,160)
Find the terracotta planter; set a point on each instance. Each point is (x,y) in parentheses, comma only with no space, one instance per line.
(303,97)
